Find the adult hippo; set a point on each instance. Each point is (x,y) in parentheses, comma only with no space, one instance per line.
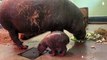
(33,17)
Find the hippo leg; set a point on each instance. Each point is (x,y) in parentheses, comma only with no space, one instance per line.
(53,52)
(13,34)
(63,52)
(59,52)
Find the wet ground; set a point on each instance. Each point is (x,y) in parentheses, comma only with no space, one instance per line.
(87,51)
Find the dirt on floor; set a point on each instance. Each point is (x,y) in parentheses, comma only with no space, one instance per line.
(4,37)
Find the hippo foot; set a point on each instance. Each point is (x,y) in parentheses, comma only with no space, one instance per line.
(23,47)
(52,53)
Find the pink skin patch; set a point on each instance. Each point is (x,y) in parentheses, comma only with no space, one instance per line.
(21,36)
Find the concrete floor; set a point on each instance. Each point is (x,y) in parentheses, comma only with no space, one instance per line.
(8,51)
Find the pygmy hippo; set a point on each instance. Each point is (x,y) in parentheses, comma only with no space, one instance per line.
(33,17)
(56,41)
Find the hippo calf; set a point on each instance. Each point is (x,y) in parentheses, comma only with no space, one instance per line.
(56,41)
(33,17)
